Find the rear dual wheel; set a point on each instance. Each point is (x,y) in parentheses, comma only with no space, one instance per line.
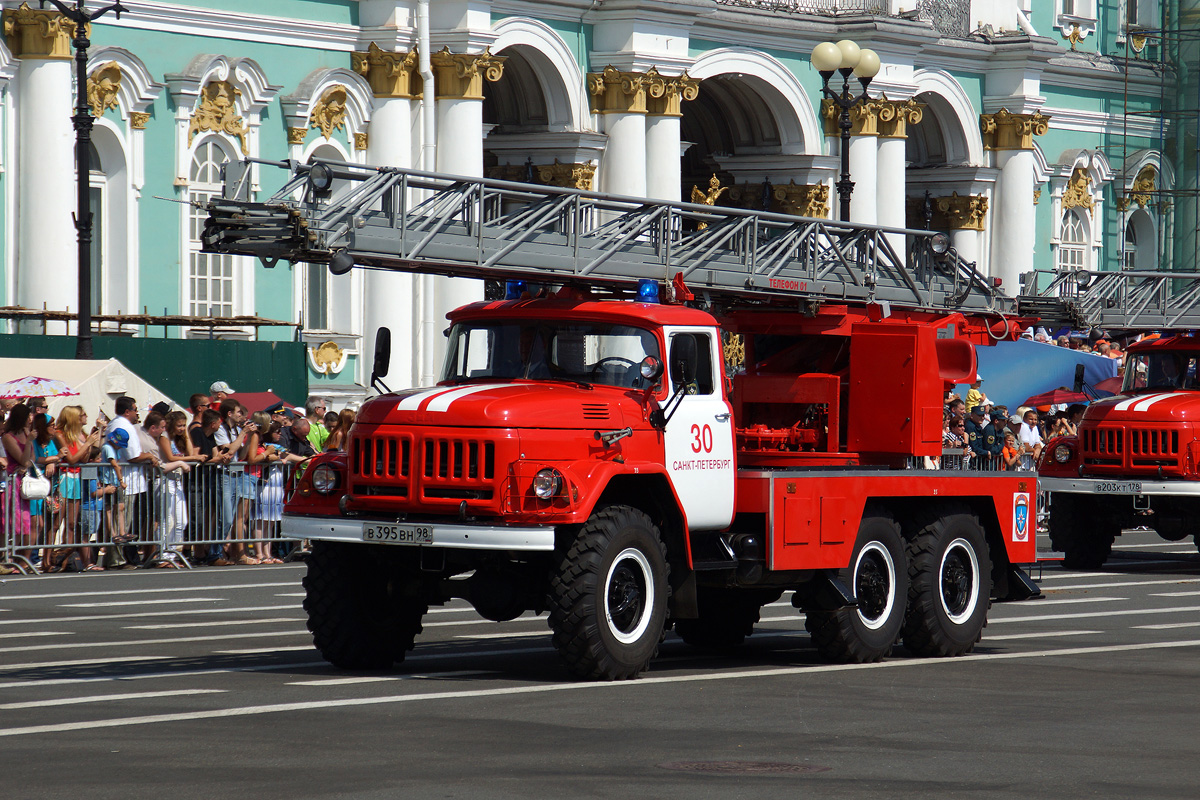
(878,578)
(950,586)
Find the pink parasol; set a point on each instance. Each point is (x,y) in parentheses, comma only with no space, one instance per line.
(33,386)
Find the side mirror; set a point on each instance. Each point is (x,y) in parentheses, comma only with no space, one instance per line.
(383,355)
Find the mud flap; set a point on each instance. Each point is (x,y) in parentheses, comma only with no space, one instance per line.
(1020,586)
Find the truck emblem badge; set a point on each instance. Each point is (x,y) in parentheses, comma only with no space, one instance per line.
(1021,518)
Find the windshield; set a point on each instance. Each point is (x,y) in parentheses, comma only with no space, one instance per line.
(1159,371)
(590,352)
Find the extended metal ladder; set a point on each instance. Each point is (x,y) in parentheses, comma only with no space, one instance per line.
(1118,300)
(474,227)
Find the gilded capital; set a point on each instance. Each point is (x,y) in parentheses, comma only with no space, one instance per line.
(864,117)
(567,176)
(961,213)
(297,135)
(664,95)
(804,200)
(360,141)
(139,120)
(217,112)
(614,91)
(896,115)
(390,74)
(37,33)
(460,76)
(102,87)
(1005,131)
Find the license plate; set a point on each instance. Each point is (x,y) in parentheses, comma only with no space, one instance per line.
(397,534)
(1120,487)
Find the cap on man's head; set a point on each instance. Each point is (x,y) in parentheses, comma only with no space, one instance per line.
(161,407)
(997,414)
(1015,419)
(285,412)
(118,438)
(220,386)
(980,410)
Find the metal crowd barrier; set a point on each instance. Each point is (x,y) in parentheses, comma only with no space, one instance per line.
(212,511)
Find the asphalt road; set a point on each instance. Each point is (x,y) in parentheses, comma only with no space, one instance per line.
(204,684)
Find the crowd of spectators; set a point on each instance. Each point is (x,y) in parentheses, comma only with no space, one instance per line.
(208,483)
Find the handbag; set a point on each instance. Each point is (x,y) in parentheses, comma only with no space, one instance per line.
(35,485)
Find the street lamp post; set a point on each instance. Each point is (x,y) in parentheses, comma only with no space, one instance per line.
(83,141)
(847,58)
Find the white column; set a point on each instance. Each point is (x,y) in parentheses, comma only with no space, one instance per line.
(967,242)
(1013,241)
(863,163)
(47,261)
(663,166)
(388,297)
(623,168)
(889,189)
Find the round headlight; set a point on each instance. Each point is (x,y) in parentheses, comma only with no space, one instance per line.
(650,368)
(546,483)
(324,479)
(1062,454)
(940,243)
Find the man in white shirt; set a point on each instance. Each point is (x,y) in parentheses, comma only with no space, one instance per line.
(137,500)
(1031,440)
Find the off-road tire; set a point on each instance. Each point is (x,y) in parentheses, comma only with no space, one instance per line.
(363,612)
(608,596)
(1084,538)
(878,577)
(727,617)
(949,586)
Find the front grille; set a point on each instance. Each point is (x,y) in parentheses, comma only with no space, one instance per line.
(418,468)
(1130,448)
(380,456)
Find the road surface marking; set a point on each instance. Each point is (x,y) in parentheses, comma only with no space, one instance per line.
(139,592)
(1005,637)
(142,614)
(1175,594)
(211,623)
(104,698)
(1122,584)
(148,601)
(1074,600)
(1085,614)
(341,704)
(81,662)
(1162,626)
(27,634)
(514,635)
(141,642)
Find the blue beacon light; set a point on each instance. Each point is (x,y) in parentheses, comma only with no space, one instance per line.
(648,290)
(513,290)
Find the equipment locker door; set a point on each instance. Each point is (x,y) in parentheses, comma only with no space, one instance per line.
(699,435)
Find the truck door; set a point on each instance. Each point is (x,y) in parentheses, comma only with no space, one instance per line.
(699,435)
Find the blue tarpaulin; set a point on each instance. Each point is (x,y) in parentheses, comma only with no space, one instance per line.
(1013,371)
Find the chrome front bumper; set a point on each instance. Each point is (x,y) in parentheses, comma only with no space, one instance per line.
(468,537)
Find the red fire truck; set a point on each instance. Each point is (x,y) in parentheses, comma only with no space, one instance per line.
(632,454)
(1135,461)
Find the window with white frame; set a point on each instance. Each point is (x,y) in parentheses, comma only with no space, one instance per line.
(212,279)
(1129,247)
(98,205)
(1072,243)
(316,297)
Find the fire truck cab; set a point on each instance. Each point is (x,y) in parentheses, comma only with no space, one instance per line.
(1135,460)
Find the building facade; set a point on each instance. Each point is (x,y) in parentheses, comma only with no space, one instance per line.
(1027,129)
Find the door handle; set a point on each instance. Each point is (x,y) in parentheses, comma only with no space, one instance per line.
(722,417)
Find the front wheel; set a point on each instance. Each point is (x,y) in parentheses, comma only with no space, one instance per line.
(878,577)
(608,599)
(950,586)
(363,610)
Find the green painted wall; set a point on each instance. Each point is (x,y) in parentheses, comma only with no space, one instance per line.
(181,367)
(339,11)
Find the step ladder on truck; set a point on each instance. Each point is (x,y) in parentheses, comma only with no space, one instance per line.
(678,414)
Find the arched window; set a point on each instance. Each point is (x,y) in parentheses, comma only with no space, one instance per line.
(1129,248)
(1072,244)
(211,281)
